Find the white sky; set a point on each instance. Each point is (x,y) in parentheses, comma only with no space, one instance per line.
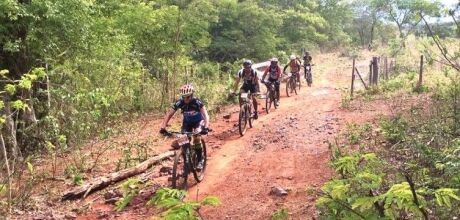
(449,2)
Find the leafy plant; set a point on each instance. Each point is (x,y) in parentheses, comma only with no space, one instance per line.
(280,214)
(130,188)
(170,200)
(394,129)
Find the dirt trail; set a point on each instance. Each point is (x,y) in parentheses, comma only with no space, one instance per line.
(286,148)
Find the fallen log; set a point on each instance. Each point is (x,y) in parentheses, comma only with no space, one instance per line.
(104,181)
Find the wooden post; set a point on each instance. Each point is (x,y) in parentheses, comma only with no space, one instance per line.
(370,74)
(375,70)
(420,78)
(361,78)
(385,64)
(352,78)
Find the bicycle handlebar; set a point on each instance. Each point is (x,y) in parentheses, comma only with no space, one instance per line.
(171,133)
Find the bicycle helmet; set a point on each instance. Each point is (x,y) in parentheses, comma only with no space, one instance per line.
(186,90)
(247,63)
(292,57)
(274,60)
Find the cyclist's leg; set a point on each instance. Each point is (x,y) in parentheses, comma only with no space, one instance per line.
(196,141)
(277,88)
(254,100)
(305,71)
(243,89)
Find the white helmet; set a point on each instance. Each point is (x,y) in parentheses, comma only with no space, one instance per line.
(186,90)
(292,57)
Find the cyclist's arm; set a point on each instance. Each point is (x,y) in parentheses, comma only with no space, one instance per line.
(236,84)
(257,83)
(285,67)
(265,73)
(167,117)
(204,112)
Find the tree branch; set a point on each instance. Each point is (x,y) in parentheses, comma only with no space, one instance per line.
(414,195)
(453,64)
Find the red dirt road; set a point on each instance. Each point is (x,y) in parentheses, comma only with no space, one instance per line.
(286,148)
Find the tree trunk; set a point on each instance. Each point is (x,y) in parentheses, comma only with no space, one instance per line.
(104,181)
(7,163)
(9,130)
(28,115)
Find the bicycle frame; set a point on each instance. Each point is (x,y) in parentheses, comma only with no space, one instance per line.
(245,112)
(184,139)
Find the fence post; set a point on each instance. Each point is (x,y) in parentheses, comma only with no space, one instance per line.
(385,66)
(370,74)
(375,70)
(352,78)
(420,78)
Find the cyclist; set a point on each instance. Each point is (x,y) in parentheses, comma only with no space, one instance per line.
(196,118)
(294,64)
(274,74)
(307,63)
(250,82)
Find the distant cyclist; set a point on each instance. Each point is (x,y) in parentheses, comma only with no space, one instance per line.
(307,65)
(274,75)
(250,82)
(196,118)
(294,65)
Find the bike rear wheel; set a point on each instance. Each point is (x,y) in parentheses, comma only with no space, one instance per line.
(199,175)
(242,121)
(179,172)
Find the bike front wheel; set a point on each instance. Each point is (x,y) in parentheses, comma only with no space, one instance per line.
(268,102)
(199,175)
(294,86)
(309,79)
(288,87)
(249,117)
(242,120)
(179,172)
(299,82)
(275,99)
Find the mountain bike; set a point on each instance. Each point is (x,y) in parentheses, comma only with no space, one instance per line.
(245,117)
(308,75)
(272,96)
(185,159)
(291,84)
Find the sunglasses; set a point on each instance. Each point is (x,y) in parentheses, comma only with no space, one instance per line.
(186,96)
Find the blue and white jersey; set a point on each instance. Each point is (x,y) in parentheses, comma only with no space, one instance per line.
(191,111)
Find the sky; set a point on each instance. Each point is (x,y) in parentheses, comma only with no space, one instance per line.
(449,2)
